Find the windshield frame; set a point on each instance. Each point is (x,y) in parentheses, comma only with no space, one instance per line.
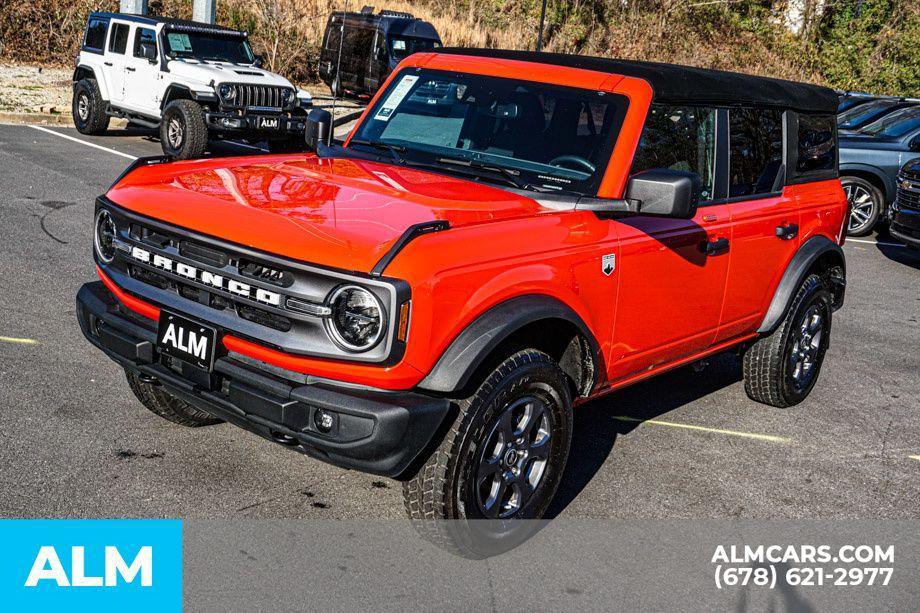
(172,54)
(431,155)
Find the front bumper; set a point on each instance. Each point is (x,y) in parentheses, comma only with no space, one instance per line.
(378,432)
(226,121)
(905,224)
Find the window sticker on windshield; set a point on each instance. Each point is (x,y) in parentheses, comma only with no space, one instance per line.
(179,42)
(399,45)
(396,96)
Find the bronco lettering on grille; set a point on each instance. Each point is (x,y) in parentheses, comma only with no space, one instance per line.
(208,278)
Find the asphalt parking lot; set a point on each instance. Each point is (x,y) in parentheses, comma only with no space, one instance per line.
(686,445)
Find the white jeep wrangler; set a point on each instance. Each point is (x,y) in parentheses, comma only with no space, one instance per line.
(191,80)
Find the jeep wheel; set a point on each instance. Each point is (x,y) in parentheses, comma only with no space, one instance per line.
(781,369)
(501,460)
(865,202)
(88,108)
(183,131)
(168,406)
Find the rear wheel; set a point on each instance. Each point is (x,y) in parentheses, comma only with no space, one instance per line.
(167,406)
(88,108)
(866,202)
(502,460)
(183,130)
(781,369)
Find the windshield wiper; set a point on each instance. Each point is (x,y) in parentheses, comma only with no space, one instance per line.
(511,177)
(395,151)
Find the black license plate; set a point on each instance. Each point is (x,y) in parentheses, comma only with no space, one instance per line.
(187,340)
(272,123)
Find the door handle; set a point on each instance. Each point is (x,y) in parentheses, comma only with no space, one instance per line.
(130,69)
(107,63)
(787,232)
(714,247)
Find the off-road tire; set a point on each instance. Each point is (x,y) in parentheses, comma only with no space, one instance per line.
(167,406)
(439,490)
(189,119)
(877,207)
(766,364)
(90,116)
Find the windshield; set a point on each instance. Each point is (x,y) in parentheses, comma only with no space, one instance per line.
(540,136)
(896,124)
(863,113)
(210,47)
(404,46)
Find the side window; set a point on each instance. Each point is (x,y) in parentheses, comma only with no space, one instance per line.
(118,41)
(817,151)
(679,138)
(755,152)
(333,34)
(144,37)
(95,34)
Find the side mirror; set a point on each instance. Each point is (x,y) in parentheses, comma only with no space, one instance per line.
(318,129)
(914,145)
(665,193)
(257,61)
(149,52)
(660,192)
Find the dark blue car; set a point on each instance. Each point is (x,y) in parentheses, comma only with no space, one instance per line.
(869,164)
(905,212)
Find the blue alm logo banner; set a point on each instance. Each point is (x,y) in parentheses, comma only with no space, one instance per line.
(91,565)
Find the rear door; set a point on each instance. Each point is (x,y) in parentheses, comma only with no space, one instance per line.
(766,221)
(672,271)
(114,60)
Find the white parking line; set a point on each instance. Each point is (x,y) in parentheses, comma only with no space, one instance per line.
(882,243)
(83,142)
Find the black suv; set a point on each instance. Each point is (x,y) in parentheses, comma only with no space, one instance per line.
(905,212)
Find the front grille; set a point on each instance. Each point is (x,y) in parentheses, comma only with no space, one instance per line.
(909,195)
(265,284)
(263,96)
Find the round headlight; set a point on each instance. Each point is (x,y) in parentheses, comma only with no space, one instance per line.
(287,96)
(357,320)
(226,92)
(104,238)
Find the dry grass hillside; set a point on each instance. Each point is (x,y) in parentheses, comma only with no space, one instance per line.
(872,45)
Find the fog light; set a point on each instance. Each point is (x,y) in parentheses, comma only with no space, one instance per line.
(323,420)
(229,122)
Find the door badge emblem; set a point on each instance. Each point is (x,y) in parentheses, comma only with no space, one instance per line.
(608,263)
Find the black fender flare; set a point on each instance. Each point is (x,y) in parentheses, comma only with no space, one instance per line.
(80,69)
(484,334)
(809,252)
(177,92)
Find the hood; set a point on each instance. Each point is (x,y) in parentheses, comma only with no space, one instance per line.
(224,72)
(341,213)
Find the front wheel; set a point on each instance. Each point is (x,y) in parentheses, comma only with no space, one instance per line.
(502,460)
(865,202)
(183,130)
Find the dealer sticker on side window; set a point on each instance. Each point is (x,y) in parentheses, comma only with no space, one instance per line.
(396,96)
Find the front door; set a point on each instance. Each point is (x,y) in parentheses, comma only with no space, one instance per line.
(142,82)
(672,285)
(672,271)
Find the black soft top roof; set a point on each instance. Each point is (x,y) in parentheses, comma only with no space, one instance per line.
(673,83)
(174,24)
